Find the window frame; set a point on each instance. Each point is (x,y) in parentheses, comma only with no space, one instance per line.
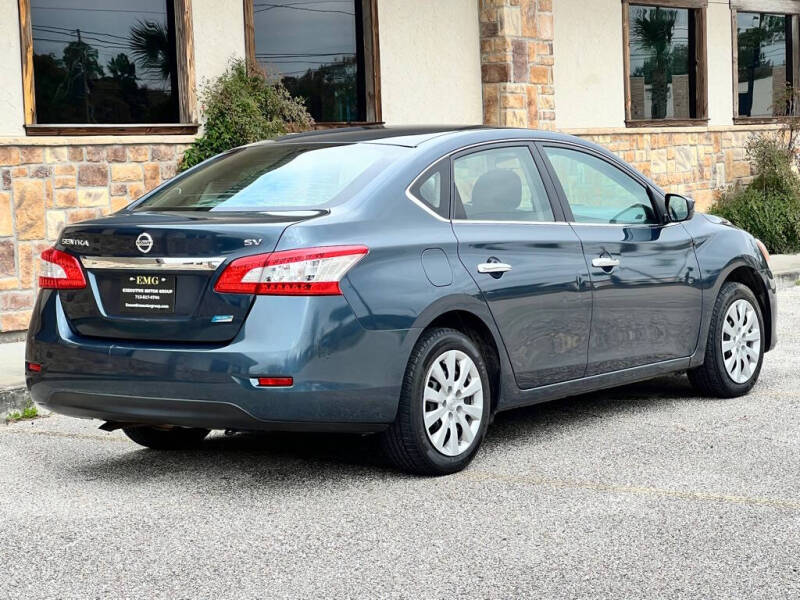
(371,58)
(541,169)
(789,8)
(621,167)
(700,59)
(187,95)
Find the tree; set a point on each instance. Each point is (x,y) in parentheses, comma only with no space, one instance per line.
(653,30)
(151,48)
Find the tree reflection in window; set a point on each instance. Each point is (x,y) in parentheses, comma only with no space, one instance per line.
(104,62)
(661,81)
(764,53)
(316,47)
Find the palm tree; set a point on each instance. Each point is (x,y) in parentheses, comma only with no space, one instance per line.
(652,31)
(150,45)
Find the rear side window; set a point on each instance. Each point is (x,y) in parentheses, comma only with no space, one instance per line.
(500,184)
(270,177)
(598,192)
(432,188)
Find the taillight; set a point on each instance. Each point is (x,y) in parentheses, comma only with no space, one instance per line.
(304,272)
(60,271)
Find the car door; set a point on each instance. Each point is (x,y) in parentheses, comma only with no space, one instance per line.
(525,259)
(644,273)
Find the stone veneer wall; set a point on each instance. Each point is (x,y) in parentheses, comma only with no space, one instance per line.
(42,188)
(684,161)
(517,63)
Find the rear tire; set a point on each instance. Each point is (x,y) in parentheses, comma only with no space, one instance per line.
(730,367)
(176,438)
(447,386)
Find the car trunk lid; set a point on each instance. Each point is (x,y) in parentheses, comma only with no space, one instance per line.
(150,275)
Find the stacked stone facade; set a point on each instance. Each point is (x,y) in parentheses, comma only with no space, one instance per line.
(42,188)
(697,163)
(517,63)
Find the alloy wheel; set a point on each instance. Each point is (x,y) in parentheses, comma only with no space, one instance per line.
(741,341)
(453,403)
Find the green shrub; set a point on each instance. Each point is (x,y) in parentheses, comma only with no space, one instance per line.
(769,206)
(243,106)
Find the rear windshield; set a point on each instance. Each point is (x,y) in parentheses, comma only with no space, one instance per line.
(270,177)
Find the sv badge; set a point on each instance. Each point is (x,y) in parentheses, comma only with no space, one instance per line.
(253,241)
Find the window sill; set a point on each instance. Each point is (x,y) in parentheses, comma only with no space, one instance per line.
(156,129)
(759,120)
(666,123)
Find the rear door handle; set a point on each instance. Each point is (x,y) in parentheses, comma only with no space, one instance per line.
(605,262)
(493,267)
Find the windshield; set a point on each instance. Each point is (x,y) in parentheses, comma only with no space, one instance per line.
(270,177)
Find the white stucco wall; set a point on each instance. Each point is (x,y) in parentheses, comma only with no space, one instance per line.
(430,61)
(720,63)
(218,36)
(588,73)
(12,114)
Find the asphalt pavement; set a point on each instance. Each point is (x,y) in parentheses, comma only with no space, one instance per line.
(647,491)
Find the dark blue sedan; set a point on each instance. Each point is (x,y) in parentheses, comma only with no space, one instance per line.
(407,282)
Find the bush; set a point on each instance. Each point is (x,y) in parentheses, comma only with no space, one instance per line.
(769,206)
(240,107)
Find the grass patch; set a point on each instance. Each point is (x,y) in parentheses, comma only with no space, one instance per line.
(29,412)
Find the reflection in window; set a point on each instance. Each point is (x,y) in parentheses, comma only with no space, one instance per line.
(104,62)
(662,79)
(764,56)
(598,192)
(316,48)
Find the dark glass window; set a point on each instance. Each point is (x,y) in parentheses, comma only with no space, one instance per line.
(104,61)
(662,78)
(764,62)
(433,188)
(316,48)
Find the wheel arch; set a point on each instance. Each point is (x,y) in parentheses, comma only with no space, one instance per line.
(750,278)
(473,318)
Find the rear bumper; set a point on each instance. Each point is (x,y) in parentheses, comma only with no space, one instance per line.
(346,377)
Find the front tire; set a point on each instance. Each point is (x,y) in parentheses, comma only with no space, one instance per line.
(445,406)
(175,438)
(735,346)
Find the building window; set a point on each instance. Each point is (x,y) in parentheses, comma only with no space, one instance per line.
(665,81)
(91,65)
(324,52)
(765,62)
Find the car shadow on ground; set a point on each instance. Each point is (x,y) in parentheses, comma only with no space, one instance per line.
(258,457)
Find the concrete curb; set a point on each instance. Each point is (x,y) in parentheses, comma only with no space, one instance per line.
(13,399)
(787,279)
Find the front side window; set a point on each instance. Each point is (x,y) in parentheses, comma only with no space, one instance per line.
(598,192)
(501,184)
(104,63)
(321,51)
(664,61)
(764,59)
(274,177)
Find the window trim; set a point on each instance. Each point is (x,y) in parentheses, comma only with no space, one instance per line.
(789,8)
(372,62)
(701,63)
(187,99)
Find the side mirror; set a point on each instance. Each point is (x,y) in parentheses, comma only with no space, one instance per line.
(679,208)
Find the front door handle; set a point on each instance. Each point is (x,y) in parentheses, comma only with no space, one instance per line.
(605,262)
(493,267)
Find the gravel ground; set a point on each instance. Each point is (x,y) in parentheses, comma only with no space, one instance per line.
(644,491)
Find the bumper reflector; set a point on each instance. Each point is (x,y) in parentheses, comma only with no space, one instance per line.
(32,366)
